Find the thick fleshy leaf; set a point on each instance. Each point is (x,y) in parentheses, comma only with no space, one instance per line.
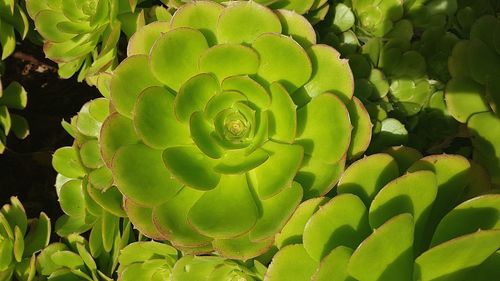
(480,213)
(142,219)
(201,15)
(233,26)
(298,27)
(171,219)
(276,211)
(361,128)
(379,258)
(65,161)
(124,93)
(110,200)
(238,161)
(189,165)
(464,97)
(38,235)
(317,177)
(143,40)
(15,214)
(254,92)
(174,56)
(194,95)
(90,155)
(227,60)
(201,131)
(150,184)
(283,117)
(405,156)
(116,131)
(46,22)
(71,198)
(294,228)
(450,260)
(412,193)
(155,121)
(268,180)
(282,60)
(242,248)
(367,176)
(291,263)
(334,266)
(341,222)
(330,74)
(230,202)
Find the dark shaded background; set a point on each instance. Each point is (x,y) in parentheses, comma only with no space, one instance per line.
(25,166)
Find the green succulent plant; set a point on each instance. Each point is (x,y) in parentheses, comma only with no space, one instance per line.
(12,19)
(82,36)
(385,224)
(227,125)
(12,97)
(20,241)
(75,258)
(146,260)
(468,12)
(473,93)
(84,183)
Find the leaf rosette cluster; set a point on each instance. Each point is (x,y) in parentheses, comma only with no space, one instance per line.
(20,241)
(223,125)
(386,225)
(82,35)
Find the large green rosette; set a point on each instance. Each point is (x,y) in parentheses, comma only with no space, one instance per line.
(223,125)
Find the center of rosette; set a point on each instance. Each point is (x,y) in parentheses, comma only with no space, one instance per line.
(89,7)
(236,127)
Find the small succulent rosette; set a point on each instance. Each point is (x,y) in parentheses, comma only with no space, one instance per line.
(75,258)
(20,241)
(12,19)
(82,35)
(84,184)
(473,94)
(385,224)
(226,118)
(146,260)
(12,97)
(213,268)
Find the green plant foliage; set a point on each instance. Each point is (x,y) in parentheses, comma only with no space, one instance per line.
(431,221)
(84,183)
(12,18)
(146,260)
(217,105)
(473,93)
(75,258)
(82,35)
(12,97)
(20,241)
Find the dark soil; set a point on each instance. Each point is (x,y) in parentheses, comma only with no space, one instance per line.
(25,166)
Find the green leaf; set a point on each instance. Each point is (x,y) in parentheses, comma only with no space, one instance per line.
(155,121)
(464,97)
(334,266)
(291,263)
(226,60)
(142,219)
(349,227)
(242,248)
(232,26)
(150,184)
(38,236)
(283,118)
(116,131)
(297,27)
(379,258)
(361,128)
(72,199)
(14,96)
(450,260)
(230,202)
(191,167)
(174,56)
(65,161)
(143,40)
(282,60)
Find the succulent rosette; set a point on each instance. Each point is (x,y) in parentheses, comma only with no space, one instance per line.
(473,93)
(146,260)
(76,258)
(223,124)
(82,36)
(12,97)
(12,19)
(385,224)
(84,183)
(20,241)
